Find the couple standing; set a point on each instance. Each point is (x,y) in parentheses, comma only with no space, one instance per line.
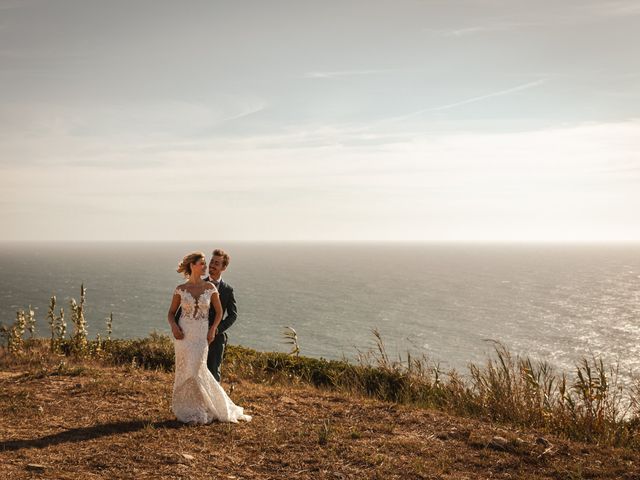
(195,318)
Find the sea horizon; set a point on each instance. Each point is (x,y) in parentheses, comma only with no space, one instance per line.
(551,242)
(552,302)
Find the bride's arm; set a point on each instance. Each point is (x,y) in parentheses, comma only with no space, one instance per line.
(171,317)
(217,306)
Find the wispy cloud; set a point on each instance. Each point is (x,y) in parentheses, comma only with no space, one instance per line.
(500,93)
(245,113)
(480,29)
(480,98)
(616,8)
(529,184)
(343,73)
(463,32)
(563,15)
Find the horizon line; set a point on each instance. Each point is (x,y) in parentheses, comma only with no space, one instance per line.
(343,241)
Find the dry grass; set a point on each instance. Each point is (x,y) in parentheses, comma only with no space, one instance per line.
(590,404)
(86,419)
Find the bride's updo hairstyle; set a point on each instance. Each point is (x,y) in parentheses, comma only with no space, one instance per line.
(184,267)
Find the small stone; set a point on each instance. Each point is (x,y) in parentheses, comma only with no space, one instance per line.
(499,443)
(287,400)
(442,436)
(186,456)
(463,434)
(35,467)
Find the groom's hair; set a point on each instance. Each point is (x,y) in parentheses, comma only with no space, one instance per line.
(218,252)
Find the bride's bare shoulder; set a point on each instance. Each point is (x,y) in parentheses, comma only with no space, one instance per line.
(182,286)
(209,286)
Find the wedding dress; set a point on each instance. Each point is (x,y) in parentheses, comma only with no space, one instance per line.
(197,396)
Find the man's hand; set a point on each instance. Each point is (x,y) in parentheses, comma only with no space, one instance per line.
(178,334)
(211,334)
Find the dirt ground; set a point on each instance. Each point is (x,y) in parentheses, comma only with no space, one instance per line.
(92,421)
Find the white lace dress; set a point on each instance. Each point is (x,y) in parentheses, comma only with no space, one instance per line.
(197,396)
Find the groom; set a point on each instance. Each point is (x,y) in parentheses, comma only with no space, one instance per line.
(218,264)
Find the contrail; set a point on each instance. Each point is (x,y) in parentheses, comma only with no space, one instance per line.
(519,88)
(344,73)
(508,91)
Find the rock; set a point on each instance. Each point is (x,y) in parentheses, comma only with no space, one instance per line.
(499,443)
(186,456)
(463,434)
(442,436)
(35,467)
(287,400)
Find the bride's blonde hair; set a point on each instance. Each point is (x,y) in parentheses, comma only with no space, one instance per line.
(184,267)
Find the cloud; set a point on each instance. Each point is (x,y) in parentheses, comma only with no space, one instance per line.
(480,98)
(616,8)
(480,29)
(538,184)
(500,93)
(561,15)
(104,134)
(245,112)
(344,73)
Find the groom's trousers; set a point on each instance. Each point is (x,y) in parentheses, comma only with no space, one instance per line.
(216,354)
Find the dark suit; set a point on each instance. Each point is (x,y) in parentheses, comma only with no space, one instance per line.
(229,308)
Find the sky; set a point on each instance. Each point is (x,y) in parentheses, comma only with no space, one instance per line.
(400,120)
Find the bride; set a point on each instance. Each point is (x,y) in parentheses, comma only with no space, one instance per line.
(197,396)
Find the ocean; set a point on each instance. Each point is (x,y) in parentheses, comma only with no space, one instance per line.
(557,303)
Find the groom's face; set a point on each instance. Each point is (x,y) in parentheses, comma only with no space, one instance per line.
(216,267)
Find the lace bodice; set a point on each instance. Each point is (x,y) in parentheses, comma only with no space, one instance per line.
(192,307)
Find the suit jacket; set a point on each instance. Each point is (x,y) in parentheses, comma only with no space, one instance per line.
(229,307)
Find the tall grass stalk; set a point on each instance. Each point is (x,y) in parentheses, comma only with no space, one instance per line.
(14,334)
(79,343)
(57,325)
(51,320)
(291,338)
(109,322)
(30,321)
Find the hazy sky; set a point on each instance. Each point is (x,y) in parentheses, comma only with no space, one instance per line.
(320,120)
